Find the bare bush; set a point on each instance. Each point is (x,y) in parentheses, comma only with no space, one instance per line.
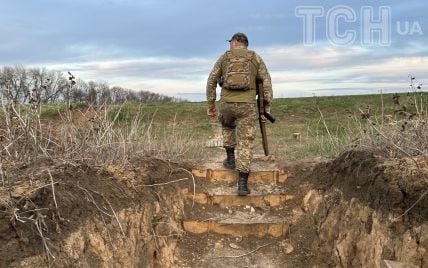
(406,135)
(97,137)
(403,134)
(408,138)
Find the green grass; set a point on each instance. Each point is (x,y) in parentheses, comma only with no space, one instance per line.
(52,110)
(326,135)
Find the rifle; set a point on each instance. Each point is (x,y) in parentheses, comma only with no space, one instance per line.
(262,111)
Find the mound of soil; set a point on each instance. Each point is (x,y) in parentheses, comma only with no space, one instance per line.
(388,185)
(367,209)
(70,215)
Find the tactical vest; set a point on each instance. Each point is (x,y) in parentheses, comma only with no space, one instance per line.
(238,71)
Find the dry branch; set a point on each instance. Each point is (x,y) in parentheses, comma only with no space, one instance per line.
(412,206)
(161,184)
(245,254)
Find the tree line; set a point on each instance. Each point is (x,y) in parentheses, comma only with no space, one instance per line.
(28,85)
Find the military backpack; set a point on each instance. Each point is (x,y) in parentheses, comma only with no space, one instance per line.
(238,71)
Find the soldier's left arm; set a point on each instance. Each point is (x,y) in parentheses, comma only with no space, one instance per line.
(263,75)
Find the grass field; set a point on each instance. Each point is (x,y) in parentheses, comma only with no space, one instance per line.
(326,124)
(305,127)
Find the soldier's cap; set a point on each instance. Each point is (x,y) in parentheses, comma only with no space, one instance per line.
(240,37)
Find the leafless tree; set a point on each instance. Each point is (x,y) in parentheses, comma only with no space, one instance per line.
(39,85)
(14,83)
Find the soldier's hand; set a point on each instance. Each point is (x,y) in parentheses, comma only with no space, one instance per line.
(263,119)
(212,112)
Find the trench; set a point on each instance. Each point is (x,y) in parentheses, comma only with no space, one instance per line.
(352,213)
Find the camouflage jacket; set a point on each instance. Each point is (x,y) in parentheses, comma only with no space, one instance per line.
(259,72)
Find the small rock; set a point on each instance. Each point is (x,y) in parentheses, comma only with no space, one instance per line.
(218,245)
(287,248)
(157,207)
(238,239)
(203,208)
(252,210)
(234,246)
(230,211)
(247,207)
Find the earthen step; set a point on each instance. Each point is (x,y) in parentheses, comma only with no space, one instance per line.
(226,196)
(236,229)
(395,264)
(209,250)
(237,224)
(224,175)
(264,172)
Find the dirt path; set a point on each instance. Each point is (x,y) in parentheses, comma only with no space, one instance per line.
(292,249)
(348,212)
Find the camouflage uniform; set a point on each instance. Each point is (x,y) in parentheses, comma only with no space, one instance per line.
(238,109)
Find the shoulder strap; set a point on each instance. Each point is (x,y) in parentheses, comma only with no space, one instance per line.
(250,56)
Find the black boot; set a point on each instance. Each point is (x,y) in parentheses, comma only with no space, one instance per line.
(229,162)
(243,184)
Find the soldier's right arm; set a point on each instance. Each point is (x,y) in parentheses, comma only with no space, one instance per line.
(215,76)
(264,76)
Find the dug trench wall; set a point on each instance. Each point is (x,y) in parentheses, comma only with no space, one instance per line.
(367,209)
(100,217)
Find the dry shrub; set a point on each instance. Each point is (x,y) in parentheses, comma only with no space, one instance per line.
(97,139)
(404,136)
(407,138)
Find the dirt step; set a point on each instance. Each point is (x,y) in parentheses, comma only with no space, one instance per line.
(225,196)
(215,250)
(264,172)
(236,229)
(395,264)
(236,223)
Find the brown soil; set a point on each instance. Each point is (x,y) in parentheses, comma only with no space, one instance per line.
(82,228)
(356,211)
(387,185)
(352,211)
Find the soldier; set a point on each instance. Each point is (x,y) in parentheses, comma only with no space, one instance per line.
(237,71)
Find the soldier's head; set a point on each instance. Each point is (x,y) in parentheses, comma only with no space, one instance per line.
(238,39)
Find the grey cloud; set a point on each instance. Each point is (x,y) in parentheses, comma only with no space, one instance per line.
(175,43)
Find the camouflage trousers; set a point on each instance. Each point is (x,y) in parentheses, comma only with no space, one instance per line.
(238,120)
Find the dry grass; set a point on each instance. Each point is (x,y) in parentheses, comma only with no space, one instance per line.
(96,137)
(403,134)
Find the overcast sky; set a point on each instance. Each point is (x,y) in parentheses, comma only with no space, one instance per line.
(169,47)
